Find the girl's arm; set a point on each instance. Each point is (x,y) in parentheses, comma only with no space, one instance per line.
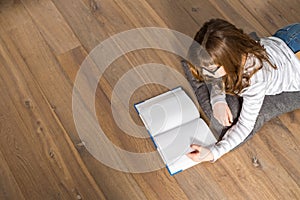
(253,98)
(221,111)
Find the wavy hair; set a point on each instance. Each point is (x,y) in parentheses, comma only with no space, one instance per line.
(220,42)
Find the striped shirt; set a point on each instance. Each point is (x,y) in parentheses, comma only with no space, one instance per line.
(266,81)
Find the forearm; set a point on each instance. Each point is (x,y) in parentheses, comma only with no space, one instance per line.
(234,136)
(252,103)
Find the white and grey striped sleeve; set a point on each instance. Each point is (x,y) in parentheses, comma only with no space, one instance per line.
(252,101)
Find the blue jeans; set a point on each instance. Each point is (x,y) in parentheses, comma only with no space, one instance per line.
(290,35)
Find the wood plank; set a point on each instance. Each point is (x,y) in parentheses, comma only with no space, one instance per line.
(236,12)
(267,14)
(199,183)
(82,22)
(9,188)
(19,149)
(285,146)
(68,176)
(175,16)
(290,122)
(199,11)
(287,10)
(135,10)
(262,180)
(109,15)
(52,25)
(12,14)
(232,11)
(58,90)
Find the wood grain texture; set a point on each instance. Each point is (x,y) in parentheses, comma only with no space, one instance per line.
(42,47)
(56,31)
(12,15)
(9,188)
(46,145)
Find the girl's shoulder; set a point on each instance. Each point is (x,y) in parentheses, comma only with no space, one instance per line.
(275,46)
(278,52)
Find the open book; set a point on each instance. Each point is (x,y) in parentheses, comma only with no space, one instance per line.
(173,122)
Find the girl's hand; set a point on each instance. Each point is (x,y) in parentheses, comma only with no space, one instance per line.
(200,154)
(222,113)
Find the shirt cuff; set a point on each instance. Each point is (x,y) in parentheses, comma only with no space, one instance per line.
(216,154)
(217,99)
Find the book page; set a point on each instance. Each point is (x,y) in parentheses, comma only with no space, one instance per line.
(167,111)
(174,144)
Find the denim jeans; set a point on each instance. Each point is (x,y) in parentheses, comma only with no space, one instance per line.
(290,35)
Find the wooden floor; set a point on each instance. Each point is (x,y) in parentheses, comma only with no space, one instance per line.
(42,45)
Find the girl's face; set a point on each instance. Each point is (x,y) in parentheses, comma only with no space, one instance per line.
(213,71)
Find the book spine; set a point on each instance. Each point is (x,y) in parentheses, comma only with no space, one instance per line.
(172,174)
(177,88)
(152,139)
(136,107)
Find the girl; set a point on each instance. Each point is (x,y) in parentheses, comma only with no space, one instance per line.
(236,64)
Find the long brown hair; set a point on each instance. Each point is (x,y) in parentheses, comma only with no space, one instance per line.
(221,43)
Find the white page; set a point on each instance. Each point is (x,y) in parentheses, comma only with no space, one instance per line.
(167,111)
(175,143)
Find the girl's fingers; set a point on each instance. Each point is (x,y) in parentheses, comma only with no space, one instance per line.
(200,154)
(196,147)
(230,115)
(194,155)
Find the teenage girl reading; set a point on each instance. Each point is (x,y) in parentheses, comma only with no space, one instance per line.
(236,64)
